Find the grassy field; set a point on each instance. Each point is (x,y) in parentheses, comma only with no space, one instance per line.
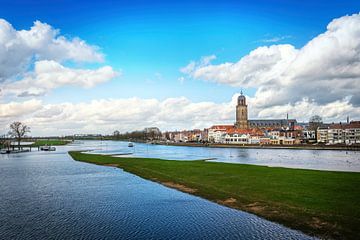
(50,142)
(321,203)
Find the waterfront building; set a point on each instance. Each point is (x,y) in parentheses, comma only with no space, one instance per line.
(217,133)
(344,133)
(322,134)
(237,138)
(241,113)
(154,130)
(242,121)
(309,136)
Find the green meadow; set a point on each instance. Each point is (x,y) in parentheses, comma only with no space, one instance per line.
(325,204)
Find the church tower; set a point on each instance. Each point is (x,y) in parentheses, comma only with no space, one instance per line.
(241,113)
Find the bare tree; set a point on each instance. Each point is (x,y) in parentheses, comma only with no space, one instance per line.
(116,134)
(18,130)
(315,122)
(2,141)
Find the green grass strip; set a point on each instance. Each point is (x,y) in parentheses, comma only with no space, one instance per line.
(320,203)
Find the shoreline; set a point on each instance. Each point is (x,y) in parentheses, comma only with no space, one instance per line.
(286,196)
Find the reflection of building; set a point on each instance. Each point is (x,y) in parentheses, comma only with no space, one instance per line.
(242,121)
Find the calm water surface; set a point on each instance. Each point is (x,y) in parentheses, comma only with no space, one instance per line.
(47,195)
(306,159)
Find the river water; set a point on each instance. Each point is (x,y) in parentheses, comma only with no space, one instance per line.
(290,158)
(47,195)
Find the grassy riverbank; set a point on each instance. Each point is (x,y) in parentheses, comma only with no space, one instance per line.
(50,142)
(321,203)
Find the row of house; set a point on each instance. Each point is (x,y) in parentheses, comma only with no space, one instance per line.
(195,135)
(342,133)
(229,134)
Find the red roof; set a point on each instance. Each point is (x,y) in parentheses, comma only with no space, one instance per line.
(222,127)
(354,124)
(296,127)
(251,131)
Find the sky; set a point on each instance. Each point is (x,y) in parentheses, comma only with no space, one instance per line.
(71,67)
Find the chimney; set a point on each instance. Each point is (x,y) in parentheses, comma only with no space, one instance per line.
(287,116)
(348,120)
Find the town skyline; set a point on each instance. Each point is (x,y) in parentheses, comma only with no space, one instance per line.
(176,71)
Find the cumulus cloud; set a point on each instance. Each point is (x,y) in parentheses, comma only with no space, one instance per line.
(48,75)
(31,61)
(107,115)
(42,42)
(18,109)
(326,70)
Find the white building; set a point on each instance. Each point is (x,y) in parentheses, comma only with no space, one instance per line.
(322,135)
(343,133)
(217,133)
(237,138)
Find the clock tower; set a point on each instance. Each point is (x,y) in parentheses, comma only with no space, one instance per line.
(241,113)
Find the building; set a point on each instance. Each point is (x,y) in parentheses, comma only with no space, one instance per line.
(242,121)
(322,135)
(344,133)
(309,136)
(352,133)
(217,133)
(154,130)
(272,123)
(241,113)
(243,136)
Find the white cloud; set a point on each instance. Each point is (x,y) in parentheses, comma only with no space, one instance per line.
(15,109)
(274,39)
(48,75)
(325,70)
(44,49)
(41,42)
(107,115)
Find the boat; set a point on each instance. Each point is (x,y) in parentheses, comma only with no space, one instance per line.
(47,148)
(130,144)
(4,151)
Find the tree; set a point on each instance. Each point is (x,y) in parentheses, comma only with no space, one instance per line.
(2,141)
(315,122)
(116,134)
(18,131)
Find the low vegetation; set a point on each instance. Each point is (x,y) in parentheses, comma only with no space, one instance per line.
(50,142)
(321,203)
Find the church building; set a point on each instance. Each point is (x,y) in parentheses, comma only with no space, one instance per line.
(241,113)
(242,121)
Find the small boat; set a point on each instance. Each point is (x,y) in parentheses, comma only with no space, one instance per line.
(47,148)
(4,151)
(130,144)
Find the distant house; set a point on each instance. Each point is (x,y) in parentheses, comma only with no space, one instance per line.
(348,133)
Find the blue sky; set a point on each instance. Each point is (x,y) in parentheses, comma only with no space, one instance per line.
(148,43)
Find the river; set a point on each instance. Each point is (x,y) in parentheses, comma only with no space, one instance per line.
(47,195)
(291,158)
